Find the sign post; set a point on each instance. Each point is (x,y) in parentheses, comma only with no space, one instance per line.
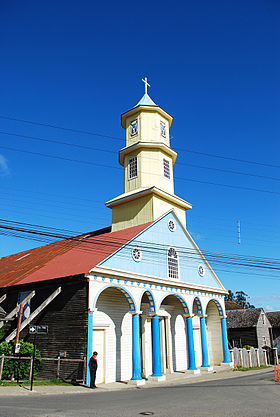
(39,329)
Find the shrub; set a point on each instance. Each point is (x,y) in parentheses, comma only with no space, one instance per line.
(19,367)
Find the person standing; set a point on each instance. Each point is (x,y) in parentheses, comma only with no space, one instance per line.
(93,367)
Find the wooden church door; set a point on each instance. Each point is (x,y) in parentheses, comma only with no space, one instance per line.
(99,346)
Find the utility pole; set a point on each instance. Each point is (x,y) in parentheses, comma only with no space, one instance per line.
(238,229)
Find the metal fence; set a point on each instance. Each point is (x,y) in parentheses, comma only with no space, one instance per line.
(62,368)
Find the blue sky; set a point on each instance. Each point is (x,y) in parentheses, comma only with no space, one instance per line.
(214,66)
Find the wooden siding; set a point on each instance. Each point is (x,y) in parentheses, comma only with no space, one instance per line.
(66,318)
(247,335)
(263,327)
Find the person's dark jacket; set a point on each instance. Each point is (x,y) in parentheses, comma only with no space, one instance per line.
(92,364)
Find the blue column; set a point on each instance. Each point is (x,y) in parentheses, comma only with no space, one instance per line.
(191,353)
(89,343)
(156,347)
(136,358)
(225,340)
(204,345)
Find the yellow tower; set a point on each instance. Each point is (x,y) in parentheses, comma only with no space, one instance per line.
(148,164)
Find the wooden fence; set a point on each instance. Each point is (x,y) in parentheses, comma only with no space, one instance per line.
(56,361)
(249,358)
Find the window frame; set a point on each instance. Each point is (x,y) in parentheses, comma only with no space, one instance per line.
(163,129)
(137,128)
(172,266)
(130,168)
(164,161)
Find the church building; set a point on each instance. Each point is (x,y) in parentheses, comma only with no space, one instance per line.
(140,293)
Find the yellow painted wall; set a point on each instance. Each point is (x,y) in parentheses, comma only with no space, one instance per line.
(150,171)
(133,213)
(148,128)
(143,210)
(161,206)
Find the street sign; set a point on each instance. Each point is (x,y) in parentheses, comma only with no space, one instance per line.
(17,348)
(40,329)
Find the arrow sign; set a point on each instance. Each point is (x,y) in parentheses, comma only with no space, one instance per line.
(32,329)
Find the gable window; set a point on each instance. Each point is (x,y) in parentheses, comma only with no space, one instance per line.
(132,168)
(173,263)
(166,168)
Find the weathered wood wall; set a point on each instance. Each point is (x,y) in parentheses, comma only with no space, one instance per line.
(248,336)
(65,316)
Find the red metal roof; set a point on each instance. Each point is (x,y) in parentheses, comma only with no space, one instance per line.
(64,258)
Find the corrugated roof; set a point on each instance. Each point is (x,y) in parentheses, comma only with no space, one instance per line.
(243,318)
(68,257)
(274,318)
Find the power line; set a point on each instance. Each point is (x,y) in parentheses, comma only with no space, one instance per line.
(98,202)
(215,257)
(85,132)
(113,167)
(58,142)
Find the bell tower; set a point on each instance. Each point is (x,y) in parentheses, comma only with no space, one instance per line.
(148,164)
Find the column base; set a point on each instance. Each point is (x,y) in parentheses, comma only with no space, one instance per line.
(227,364)
(193,371)
(157,378)
(207,368)
(137,382)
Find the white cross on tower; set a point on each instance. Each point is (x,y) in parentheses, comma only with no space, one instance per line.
(145,81)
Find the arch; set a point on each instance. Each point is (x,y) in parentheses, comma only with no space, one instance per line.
(181,299)
(151,300)
(218,305)
(198,306)
(128,296)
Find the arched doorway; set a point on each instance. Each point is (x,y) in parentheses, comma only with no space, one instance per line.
(197,312)
(147,307)
(214,314)
(112,334)
(175,351)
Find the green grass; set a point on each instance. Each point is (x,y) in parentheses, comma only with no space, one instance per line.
(55,381)
(254,368)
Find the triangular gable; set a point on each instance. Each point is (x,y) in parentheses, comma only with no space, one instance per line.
(154,242)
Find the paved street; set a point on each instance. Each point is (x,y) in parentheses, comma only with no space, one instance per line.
(247,395)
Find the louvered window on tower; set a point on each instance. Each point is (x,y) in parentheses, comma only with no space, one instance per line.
(173,263)
(166,168)
(132,168)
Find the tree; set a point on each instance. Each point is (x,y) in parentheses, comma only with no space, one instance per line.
(229,296)
(240,297)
